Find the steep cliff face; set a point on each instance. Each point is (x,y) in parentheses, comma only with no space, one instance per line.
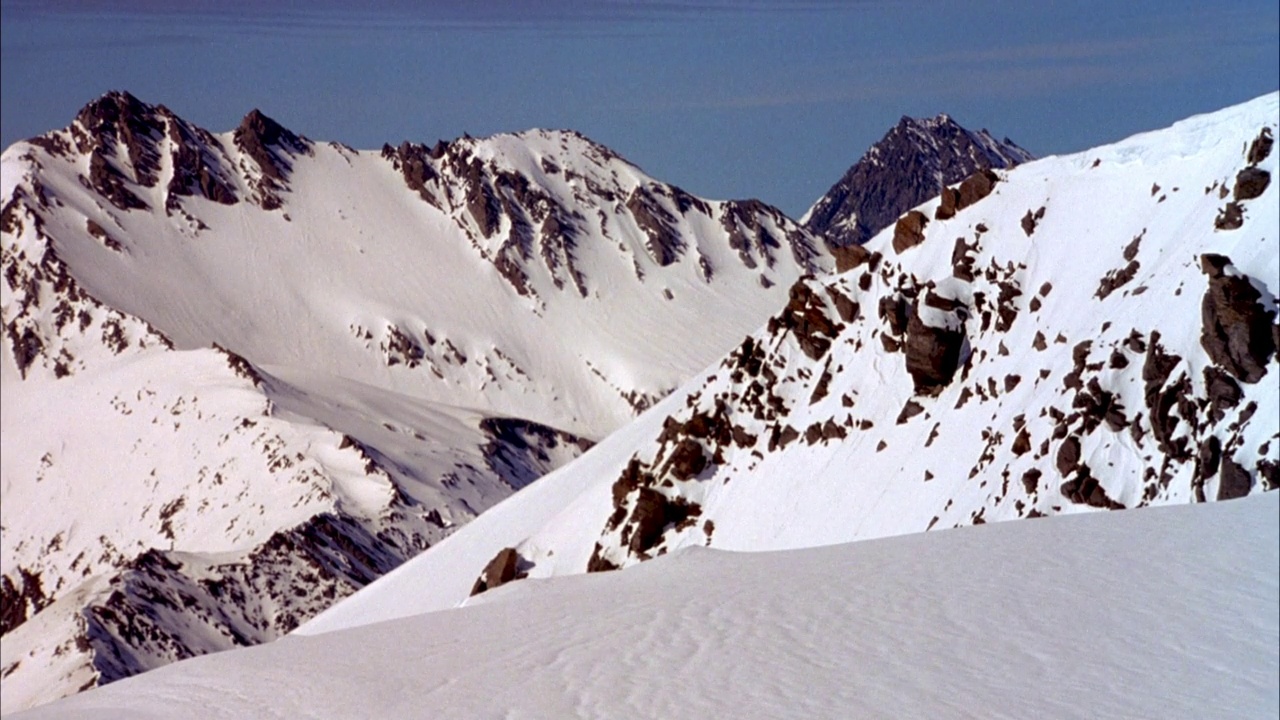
(911,164)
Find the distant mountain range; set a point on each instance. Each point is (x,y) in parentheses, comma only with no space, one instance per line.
(248,374)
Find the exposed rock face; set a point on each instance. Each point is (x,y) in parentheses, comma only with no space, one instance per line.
(1234,480)
(932,355)
(518,450)
(915,161)
(807,316)
(502,569)
(1237,330)
(953,200)
(529,224)
(21,596)
(909,231)
(975,187)
(1230,217)
(1250,183)
(1030,220)
(1260,148)
(849,257)
(271,146)
(947,206)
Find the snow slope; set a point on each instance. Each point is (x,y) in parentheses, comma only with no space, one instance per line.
(1167,612)
(247,373)
(1081,333)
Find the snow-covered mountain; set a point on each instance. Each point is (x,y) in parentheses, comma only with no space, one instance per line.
(247,373)
(1167,612)
(1095,331)
(912,163)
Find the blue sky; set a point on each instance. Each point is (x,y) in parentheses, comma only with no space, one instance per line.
(771,99)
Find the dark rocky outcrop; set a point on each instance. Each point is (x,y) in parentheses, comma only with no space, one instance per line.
(502,569)
(1260,148)
(1222,390)
(1251,182)
(1236,329)
(414,163)
(1233,480)
(157,610)
(197,168)
(909,232)
(1115,279)
(849,257)
(909,410)
(665,244)
(517,450)
(269,144)
(1230,217)
(119,121)
(272,148)
(111,184)
(652,515)
(1165,400)
(1068,458)
(687,460)
(21,596)
(1031,220)
(1031,480)
(963,256)
(1085,489)
(806,316)
(947,203)
(932,355)
(976,187)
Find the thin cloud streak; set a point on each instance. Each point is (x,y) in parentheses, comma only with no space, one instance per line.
(1026,70)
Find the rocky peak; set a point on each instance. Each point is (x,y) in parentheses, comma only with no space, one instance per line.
(272,147)
(912,163)
(258,129)
(114,112)
(268,143)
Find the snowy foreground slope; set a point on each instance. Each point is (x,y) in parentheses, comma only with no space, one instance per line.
(1169,612)
(1080,333)
(247,373)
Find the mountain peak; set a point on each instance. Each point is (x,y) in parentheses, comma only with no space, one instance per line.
(910,164)
(109,109)
(928,122)
(259,125)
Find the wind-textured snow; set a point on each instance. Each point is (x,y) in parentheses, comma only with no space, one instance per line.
(1055,347)
(1167,612)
